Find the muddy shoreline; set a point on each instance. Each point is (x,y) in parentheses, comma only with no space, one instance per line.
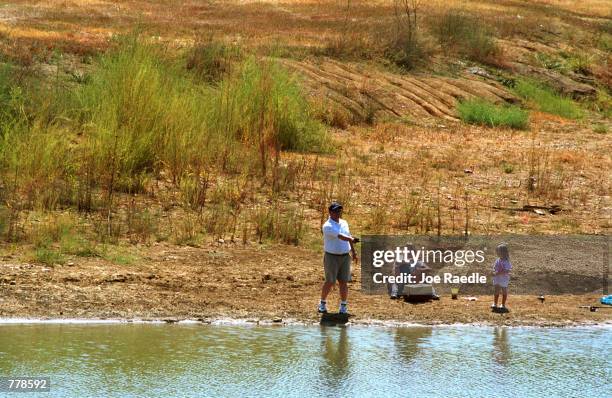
(279,322)
(249,284)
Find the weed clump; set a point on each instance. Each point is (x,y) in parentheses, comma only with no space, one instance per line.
(139,121)
(212,61)
(547,100)
(460,33)
(487,114)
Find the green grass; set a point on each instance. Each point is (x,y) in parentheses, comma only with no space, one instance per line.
(49,256)
(118,255)
(140,113)
(457,31)
(212,61)
(143,114)
(262,106)
(547,100)
(508,168)
(485,113)
(600,128)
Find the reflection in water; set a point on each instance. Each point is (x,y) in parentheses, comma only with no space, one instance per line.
(501,348)
(335,367)
(228,361)
(407,342)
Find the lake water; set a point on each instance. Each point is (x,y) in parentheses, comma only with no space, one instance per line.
(151,360)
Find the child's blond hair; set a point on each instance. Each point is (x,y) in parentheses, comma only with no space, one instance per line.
(502,251)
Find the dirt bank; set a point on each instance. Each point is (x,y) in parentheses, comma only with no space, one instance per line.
(248,282)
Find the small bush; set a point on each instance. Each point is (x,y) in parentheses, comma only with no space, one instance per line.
(547,100)
(408,53)
(459,32)
(600,129)
(579,62)
(351,45)
(262,106)
(508,168)
(211,61)
(333,115)
(485,113)
(45,163)
(78,246)
(49,256)
(193,191)
(142,114)
(286,227)
(602,103)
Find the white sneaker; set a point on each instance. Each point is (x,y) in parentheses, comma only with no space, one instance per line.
(322,307)
(343,309)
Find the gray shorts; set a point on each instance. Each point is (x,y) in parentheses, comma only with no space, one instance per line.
(337,267)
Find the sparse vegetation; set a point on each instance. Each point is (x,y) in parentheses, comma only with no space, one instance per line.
(407,48)
(488,114)
(546,100)
(601,128)
(139,116)
(155,140)
(463,33)
(229,126)
(212,61)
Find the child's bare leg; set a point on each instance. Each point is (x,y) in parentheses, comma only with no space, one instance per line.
(496,295)
(504,295)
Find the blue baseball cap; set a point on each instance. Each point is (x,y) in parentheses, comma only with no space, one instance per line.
(335,206)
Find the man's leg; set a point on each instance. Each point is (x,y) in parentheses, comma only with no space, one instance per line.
(344,276)
(343,290)
(330,280)
(327,287)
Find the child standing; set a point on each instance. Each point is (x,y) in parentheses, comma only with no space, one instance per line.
(501,274)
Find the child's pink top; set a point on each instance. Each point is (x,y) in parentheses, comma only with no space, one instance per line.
(502,265)
(502,270)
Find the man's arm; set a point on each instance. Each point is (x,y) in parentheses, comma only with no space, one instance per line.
(353,252)
(347,238)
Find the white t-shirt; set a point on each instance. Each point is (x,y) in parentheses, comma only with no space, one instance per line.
(331,243)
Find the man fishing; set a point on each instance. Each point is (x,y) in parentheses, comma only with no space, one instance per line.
(339,247)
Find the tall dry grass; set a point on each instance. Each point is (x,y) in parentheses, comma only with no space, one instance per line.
(141,116)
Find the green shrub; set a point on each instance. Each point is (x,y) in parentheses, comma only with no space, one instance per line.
(35,143)
(45,164)
(13,119)
(485,113)
(408,53)
(602,103)
(462,33)
(547,100)
(141,112)
(34,151)
(262,106)
(139,116)
(49,256)
(508,168)
(600,128)
(579,62)
(212,61)
(287,226)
